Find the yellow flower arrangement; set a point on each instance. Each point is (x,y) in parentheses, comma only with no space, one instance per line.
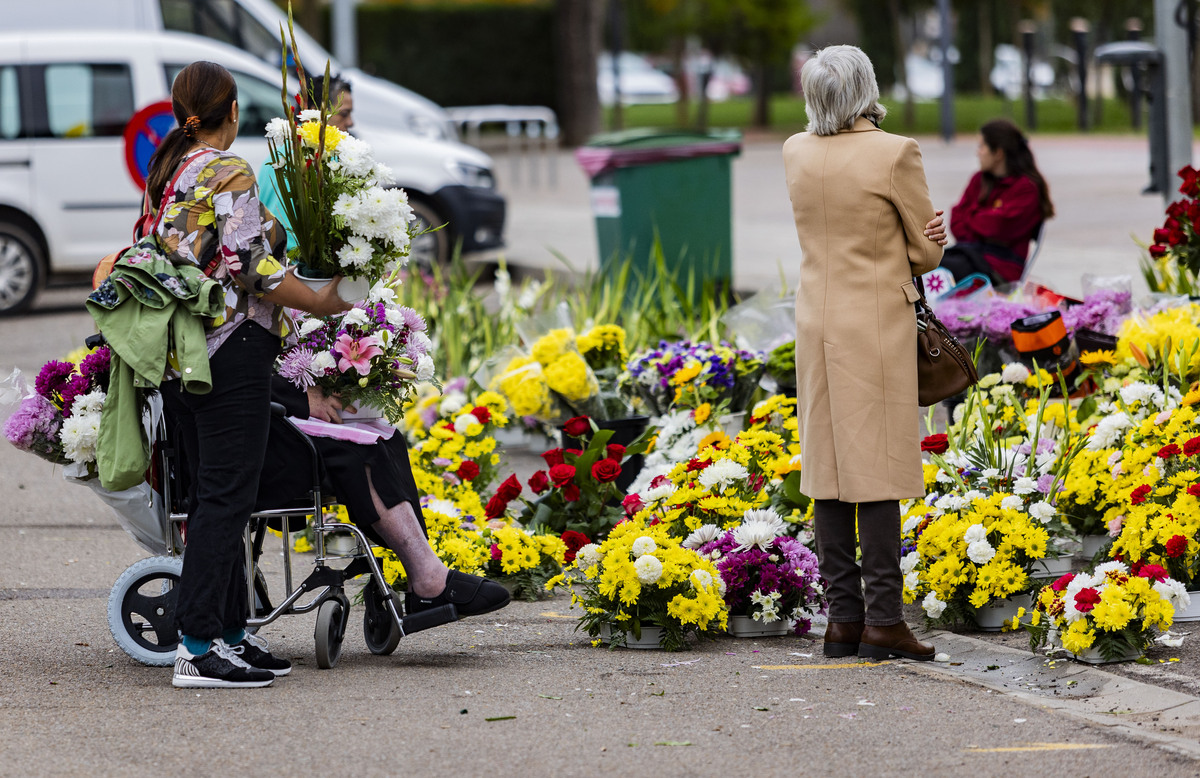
(641,576)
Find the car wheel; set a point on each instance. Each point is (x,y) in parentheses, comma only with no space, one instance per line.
(432,247)
(21,268)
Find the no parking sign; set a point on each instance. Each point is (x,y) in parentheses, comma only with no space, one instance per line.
(143,133)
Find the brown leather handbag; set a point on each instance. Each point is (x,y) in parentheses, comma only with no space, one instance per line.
(944,366)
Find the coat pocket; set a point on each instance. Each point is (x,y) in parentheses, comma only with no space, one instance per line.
(910,291)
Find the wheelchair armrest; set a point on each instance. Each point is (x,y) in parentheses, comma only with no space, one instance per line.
(278,410)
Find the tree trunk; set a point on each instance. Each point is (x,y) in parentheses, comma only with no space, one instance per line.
(578,26)
(986,10)
(910,107)
(762,93)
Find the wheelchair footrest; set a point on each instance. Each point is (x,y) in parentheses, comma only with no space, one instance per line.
(434,617)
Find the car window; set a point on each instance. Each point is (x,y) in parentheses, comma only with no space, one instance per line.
(10,104)
(258,101)
(225,21)
(85,101)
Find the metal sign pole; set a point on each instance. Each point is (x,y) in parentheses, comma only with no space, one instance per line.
(1171,36)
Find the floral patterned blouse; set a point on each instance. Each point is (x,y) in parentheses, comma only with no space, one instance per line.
(214,219)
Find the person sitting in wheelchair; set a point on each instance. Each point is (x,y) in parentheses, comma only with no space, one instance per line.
(375,482)
(1001,210)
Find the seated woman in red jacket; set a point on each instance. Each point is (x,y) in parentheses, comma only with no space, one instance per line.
(1004,205)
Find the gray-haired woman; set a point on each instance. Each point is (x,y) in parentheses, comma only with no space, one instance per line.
(866,227)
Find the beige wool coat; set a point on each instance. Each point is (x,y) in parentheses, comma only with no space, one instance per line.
(861,204)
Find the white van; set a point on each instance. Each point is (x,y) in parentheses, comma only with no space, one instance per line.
(66,198)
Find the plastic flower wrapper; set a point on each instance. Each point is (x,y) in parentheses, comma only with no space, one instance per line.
(577,491)
(519,378)
(371,355)
(58,419)
(962,552)
(768,576)
(603,348)
(641,576)
(1112,609)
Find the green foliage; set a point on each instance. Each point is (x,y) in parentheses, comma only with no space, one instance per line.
(458,54)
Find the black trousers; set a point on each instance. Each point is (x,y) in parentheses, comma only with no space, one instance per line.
(879,577)
(224,438)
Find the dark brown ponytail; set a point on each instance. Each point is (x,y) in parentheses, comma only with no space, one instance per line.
(1001,134)
(201,98)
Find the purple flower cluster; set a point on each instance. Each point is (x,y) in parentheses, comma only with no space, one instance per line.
(988,317)
(97,363)
(787,566)
(1100,312)
(52,378)
(34,427)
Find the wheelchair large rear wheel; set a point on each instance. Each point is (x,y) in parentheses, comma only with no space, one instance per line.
(141,610)
(380,630)
(329,632)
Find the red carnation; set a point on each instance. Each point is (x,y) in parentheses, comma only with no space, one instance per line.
(509,490)
(696,463)
(553,457)
(1155,573)
(575,541)
(1194,490)
(570,493)
(616,451)
(578,426)
(936,444)
(606,470)
(1177,546)
(539,482)
(659,480)
(495,507)
(1086,599)
(1157,250)
(562,475)
(496,553)
(1168,451)
(1139,494)
(1062,583)
(632,504)
(1191,447)
(482,413)
(467,470)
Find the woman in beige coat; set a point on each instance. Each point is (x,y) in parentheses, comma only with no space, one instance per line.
(866,227)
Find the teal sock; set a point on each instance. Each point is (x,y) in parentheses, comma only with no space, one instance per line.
(233,636)
(196,646)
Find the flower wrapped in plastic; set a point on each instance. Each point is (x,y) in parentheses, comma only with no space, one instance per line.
(370,355)
(688,375)
(768,576)
(641,576)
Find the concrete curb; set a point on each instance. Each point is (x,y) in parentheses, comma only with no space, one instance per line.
(1163,717)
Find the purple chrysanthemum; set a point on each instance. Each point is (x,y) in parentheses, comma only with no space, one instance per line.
(296,367)
(96,363)
(34,426)
(53,376)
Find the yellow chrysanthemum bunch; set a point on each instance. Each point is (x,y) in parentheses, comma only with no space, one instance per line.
(603,346)
(522,382)
(1110,609)
(962,559)
(641,576)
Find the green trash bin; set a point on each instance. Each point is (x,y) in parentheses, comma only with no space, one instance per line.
(671,185)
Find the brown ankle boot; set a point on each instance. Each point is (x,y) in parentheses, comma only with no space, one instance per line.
(841,638)
(893,640)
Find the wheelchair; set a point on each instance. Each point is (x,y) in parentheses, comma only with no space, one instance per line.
(141,605)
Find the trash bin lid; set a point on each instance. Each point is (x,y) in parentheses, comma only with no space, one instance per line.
(644,146)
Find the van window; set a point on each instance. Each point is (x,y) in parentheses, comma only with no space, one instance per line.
(10,105)
(84,101)
(223,20)
(258,101)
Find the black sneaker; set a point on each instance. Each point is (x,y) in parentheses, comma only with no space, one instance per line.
(218,668)
(253,651)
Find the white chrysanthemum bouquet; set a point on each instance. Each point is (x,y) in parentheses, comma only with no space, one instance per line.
(346,216)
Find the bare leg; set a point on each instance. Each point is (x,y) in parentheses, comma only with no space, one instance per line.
(398,526)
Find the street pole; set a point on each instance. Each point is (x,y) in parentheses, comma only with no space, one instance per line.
(1079,34)
(345,33)
(1028,29)
(616,44)
(947,73)
(1133,32)
(1171,38)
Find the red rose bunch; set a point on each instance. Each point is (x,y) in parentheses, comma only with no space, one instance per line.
(539,482)
(498,504)
(561,475)
(1178,238)
(578,426)
(936,444)
(606,470)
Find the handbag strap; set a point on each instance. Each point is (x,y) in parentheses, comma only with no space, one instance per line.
(162,206)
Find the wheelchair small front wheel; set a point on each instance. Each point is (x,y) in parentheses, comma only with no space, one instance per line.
(329,632)
(141,610)
(380,630)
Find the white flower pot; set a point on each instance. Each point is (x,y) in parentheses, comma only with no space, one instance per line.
(1192,612)
(746,627)
(731,423)
(649,639)
(1052,567)
(993,616)
(362,412)
(352,290)
(1092,656)
(1091,546)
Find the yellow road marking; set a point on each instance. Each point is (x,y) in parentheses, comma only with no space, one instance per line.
(819,667)
(553,615)
(1038,747)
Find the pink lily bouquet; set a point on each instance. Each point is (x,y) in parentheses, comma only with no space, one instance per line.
(371,355)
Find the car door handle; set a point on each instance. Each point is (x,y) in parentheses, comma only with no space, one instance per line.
(15,163)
